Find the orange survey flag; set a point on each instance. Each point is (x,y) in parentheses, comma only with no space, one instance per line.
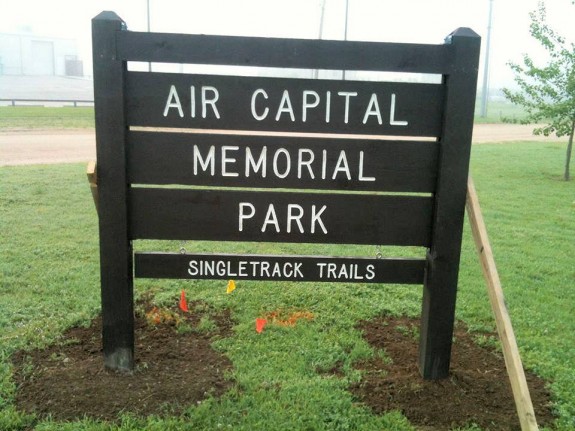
(183,302)
(260,323)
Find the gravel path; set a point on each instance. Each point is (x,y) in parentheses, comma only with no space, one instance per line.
(26,147)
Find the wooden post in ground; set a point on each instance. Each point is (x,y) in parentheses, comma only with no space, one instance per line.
(116,277)
(442,270)
(504,327)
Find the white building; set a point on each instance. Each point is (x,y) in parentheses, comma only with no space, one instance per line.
(28,54)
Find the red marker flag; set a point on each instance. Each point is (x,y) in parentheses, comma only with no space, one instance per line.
(260,323)
(183,303)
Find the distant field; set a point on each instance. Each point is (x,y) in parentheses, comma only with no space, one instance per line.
(499,112)
(38,117)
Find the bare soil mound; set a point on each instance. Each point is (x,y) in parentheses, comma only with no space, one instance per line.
(175,367)
(476,392)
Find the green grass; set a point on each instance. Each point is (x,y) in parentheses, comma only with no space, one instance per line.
(39,117)
(49,281)
(499,112)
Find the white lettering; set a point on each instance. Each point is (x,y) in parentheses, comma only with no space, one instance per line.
(327,105)
(331,267)
(209,161)
(342,160)
(276,271)
(306,105)
(392,120)
(271,218)
(370,272)
(347,95)
(297,269)
(361,177)
(193,268)
(288,163)
(261,163)
(372,109)
(243,216)
(321,266)
(266,110)
(343,272)
(288,272)
(297,218)
(226,160)
(242,268)
(211,102)
(323,164)
(173,102)
(315,218)
(285,106)
(193,101)
(301,162)
(265,268)
(221,268)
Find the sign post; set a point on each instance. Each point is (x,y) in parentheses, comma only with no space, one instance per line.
(115,243)
(400,151)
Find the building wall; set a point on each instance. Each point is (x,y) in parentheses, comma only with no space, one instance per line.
(24,54)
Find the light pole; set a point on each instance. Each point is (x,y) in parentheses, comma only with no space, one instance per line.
(321,29)
(148,19)
(345,34)
(485,91)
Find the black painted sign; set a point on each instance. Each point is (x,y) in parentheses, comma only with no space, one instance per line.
(226,160)
(158,213)
(301,105)
(279,268)
(248,158)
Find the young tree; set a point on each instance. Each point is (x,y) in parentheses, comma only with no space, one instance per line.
(548,92)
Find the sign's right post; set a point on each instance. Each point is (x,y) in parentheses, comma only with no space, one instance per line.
(442,267)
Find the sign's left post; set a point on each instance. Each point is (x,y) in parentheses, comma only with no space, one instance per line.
(116,276)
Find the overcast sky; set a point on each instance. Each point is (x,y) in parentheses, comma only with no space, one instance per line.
(422,21)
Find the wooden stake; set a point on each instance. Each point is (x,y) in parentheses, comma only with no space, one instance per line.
(504,327)
(93,180)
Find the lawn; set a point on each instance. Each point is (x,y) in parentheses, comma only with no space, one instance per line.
(50,281)
(39,117)
(499,111)
(67,117)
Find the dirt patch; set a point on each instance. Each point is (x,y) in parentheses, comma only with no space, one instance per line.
(175,367)
(477,390)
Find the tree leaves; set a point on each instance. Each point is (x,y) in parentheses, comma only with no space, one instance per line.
(547,92)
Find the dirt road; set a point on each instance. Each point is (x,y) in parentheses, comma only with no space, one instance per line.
(70,146)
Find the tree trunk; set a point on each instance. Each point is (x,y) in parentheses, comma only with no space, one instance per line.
(569,149)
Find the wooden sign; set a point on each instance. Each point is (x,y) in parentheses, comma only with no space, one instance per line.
(279,268)
(301,105)
(247,158)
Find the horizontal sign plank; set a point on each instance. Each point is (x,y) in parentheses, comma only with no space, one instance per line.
(160,213)
(279,268)
(281,162)
(283,104)
(285,53)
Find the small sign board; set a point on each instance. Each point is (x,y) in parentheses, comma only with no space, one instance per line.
(281,160)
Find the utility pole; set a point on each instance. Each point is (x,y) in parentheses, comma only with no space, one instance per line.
(485,91)
(321,29)
(345,34)
(148,18)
